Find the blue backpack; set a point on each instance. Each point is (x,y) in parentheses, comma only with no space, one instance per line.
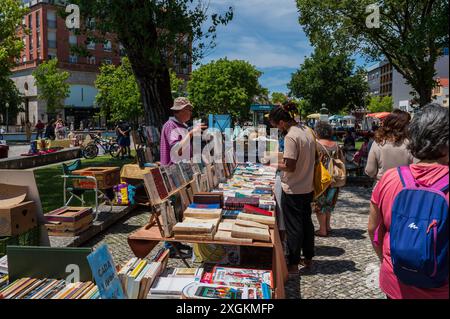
(419,232)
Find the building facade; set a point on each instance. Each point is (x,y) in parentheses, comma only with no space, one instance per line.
(48,38)
(384,80)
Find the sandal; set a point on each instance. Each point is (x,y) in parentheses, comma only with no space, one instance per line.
(318,234)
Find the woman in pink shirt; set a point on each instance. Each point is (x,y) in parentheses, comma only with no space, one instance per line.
(428,135)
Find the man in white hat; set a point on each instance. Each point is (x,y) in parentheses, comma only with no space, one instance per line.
(171,133)
(175,135)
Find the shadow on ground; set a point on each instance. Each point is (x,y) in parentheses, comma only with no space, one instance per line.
(348,233)
(329,251)
(329,267)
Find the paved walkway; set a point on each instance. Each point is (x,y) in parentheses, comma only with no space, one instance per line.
(345,265)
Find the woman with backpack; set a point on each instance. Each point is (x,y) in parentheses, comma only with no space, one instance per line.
(328,151)
(408,221)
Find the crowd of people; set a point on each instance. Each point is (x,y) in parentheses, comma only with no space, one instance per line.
(419,146)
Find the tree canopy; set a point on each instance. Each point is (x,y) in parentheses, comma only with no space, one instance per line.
(411,35)
(328,78)
(225,87)
(380,104)
(52,85)
(11,45)
(118,93)
(153,32)
(177,85)
(278,97)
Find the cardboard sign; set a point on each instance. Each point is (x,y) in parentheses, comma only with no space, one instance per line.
(105,274)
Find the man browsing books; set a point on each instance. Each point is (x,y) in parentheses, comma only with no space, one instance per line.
(175,144)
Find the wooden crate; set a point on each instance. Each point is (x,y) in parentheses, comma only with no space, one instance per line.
(17,219)
(107,177)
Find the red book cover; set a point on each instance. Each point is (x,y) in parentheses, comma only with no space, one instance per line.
(256,211)
(159,182)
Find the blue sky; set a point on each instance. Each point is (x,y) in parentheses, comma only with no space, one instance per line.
(265,33)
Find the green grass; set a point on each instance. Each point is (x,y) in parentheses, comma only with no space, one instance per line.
(50,182)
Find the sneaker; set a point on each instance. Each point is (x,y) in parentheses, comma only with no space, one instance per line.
(306,263)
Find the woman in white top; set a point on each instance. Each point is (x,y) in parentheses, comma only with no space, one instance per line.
(389,149)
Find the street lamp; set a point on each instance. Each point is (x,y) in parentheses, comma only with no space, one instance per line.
(7,119)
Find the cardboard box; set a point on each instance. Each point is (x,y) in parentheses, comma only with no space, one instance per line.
(18,218)
(107,177)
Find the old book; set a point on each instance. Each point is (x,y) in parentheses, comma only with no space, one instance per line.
(186,237)
(70,226)
(226,236)
(167,182)
(248,223)
(193,228)
(249,209)
(203,213)
(160,183)
(209,198)
(266,220)
(226,226)
(168,219)
(184,198)
(250,232)
(152,189)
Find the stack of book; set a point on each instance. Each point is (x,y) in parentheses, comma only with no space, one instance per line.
(209,198)
(69,221)
(137,277)
(171,283)
(30,288)
(196,228)
(234,203)
(3,280)
(256,214)
(4,265)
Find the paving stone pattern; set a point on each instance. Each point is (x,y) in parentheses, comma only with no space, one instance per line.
(344,263)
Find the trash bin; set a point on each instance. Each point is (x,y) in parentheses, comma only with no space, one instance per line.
(4,151)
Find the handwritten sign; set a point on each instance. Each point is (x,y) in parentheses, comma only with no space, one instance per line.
(104,271)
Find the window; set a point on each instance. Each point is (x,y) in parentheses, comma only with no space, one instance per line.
(73,59)
(30,22)
(51,55)
(91,45)
(38,44)
(91,60)
(107,61)
(24,59)
(73,39)
(30,41)
(51,19)
(38,20)
(107,46)
(51,40)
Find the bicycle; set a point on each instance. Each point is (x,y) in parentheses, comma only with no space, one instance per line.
(91,150)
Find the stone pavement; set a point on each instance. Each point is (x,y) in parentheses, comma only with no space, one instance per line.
(344,266)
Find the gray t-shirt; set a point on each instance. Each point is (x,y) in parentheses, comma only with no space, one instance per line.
(384,157)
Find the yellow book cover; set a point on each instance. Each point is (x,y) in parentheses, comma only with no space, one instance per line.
(138,269)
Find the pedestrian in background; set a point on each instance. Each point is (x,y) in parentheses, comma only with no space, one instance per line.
(28,130)
(39,129)
(325,203)
(50,130)
(428,134)
(389,149)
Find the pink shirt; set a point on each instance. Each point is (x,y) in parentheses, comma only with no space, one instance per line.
(171,134)
(383,197)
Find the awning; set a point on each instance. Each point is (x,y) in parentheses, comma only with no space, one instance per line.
(380,115)
(335,117)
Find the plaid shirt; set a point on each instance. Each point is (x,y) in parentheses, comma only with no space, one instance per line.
(169,138)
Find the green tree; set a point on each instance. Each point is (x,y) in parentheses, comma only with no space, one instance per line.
(9,94)
(151,31)
(11,13)
(331,79)
(278,97)
(118,93)
(410,34)
(381,104)
(224,86)
(52,85)
(177,85)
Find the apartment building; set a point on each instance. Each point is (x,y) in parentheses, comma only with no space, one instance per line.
(384,80)
(48,38)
